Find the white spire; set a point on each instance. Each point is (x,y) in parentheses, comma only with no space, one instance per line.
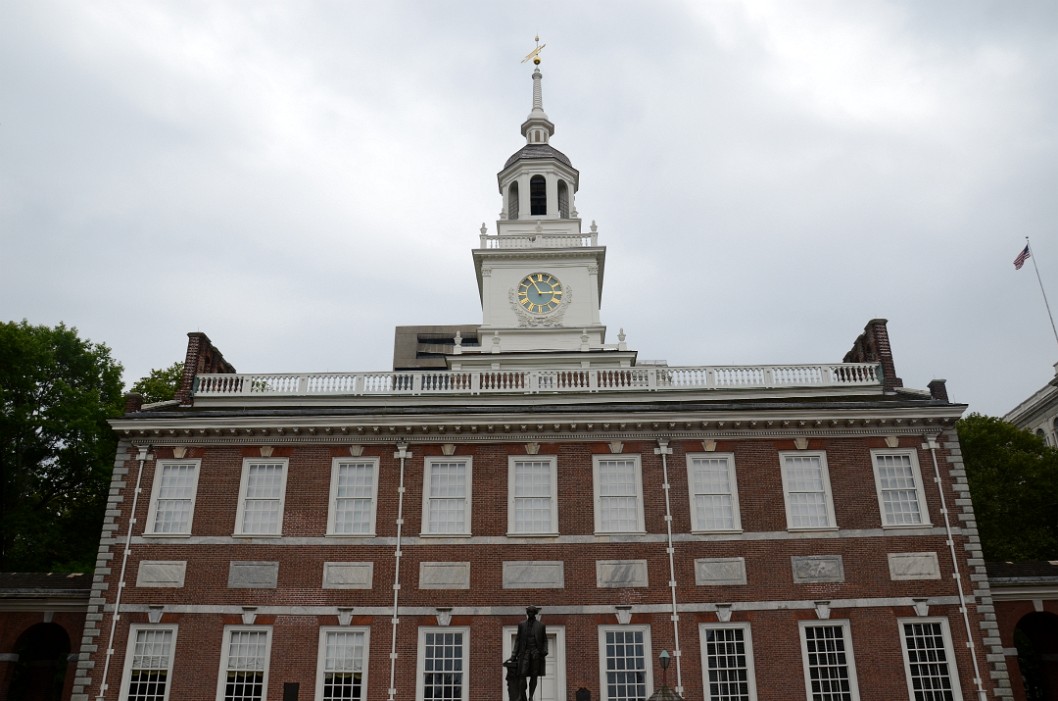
(537,128)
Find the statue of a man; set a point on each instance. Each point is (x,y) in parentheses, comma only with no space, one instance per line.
(530,652)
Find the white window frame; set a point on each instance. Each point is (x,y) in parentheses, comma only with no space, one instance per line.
(513,497)
(828,494)
(429,465)
(747,642)
(240,513)
(920,492)
(850,660)
(949,651)
(134,631)
(420,668)
(332,511)
(637,464)
(321,668)
(156,497)
(222,675)
(648,658)
(696,521)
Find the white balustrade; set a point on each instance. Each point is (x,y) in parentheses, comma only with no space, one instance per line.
(540,240)
(571,380)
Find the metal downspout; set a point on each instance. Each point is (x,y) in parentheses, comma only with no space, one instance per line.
(664,450)
(142,456)
(402,454)
(931,443)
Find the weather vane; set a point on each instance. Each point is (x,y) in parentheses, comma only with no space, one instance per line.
(535,53)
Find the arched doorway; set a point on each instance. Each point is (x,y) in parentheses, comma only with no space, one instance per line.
(41,668)
(1036,638)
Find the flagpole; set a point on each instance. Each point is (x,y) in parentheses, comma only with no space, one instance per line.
(1042,291)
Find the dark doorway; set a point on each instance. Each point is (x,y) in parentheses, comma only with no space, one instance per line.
(41,668)
(1036,637)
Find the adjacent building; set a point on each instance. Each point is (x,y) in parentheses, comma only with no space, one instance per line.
(781,531)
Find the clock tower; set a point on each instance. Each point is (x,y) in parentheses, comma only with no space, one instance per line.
(540,275)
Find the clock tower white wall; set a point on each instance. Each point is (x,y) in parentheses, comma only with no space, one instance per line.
(539,233)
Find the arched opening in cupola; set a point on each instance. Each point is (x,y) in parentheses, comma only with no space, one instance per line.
(512,201)
(537,196)
(563,199)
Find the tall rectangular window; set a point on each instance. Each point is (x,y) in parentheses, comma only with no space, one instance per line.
(354,489)
(714,492)
(626,663)
(149,663)
(261,496)
(532,490)
(342,673)
(727,662)
(618,495)
(244,664)
(929,661)
(806,486)
(443,657)
(446,496)
(899,483)
(830,672)
(173,497)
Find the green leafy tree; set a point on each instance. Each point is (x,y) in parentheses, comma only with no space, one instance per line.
(1013,478)
(56,449)
(160,385)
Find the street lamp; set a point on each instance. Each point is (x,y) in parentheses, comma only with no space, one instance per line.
(664,658)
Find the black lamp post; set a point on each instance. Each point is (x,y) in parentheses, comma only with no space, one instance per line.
(664,658)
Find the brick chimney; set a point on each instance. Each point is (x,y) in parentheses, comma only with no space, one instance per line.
(872,346)
(202,358)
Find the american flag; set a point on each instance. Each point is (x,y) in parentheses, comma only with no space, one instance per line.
(1022,257)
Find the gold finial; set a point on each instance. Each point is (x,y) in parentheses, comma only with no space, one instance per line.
(535,53)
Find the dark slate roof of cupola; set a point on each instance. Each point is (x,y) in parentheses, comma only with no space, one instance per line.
(531,152)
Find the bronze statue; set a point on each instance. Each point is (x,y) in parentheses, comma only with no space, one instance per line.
(529,657)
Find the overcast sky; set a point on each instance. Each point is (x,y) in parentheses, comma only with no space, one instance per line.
(297,178)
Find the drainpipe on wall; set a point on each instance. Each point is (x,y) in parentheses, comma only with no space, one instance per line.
(664,450)
(143,454)
(402,454)
(931,443)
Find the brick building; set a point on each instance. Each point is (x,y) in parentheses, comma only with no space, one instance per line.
(783,532)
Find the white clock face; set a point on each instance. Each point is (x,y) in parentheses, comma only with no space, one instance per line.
(540,293)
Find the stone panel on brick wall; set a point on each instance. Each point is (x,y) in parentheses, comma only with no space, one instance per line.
(348,575)
(161,573)
(713,571)
(253,575)
(818,568)
(905,566)
(444,575)
(621,573)
(534,574)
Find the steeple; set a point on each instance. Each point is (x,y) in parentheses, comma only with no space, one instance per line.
(537,128)
(538,182)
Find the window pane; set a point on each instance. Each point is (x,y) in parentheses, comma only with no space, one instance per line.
(354,497)
(247,659)
(714,505)
(727,664)
(443,667)
(896,480)
(447,507)
(806,491)
(151,653)
(343,666)
(828,667)
(175,491)
(532,496)
(928,662)
(618,495)
(263,502)
(625,665)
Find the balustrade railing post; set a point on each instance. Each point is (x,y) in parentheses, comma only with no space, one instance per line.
(593,380)
(769,377)
(303,384)
(475,383)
